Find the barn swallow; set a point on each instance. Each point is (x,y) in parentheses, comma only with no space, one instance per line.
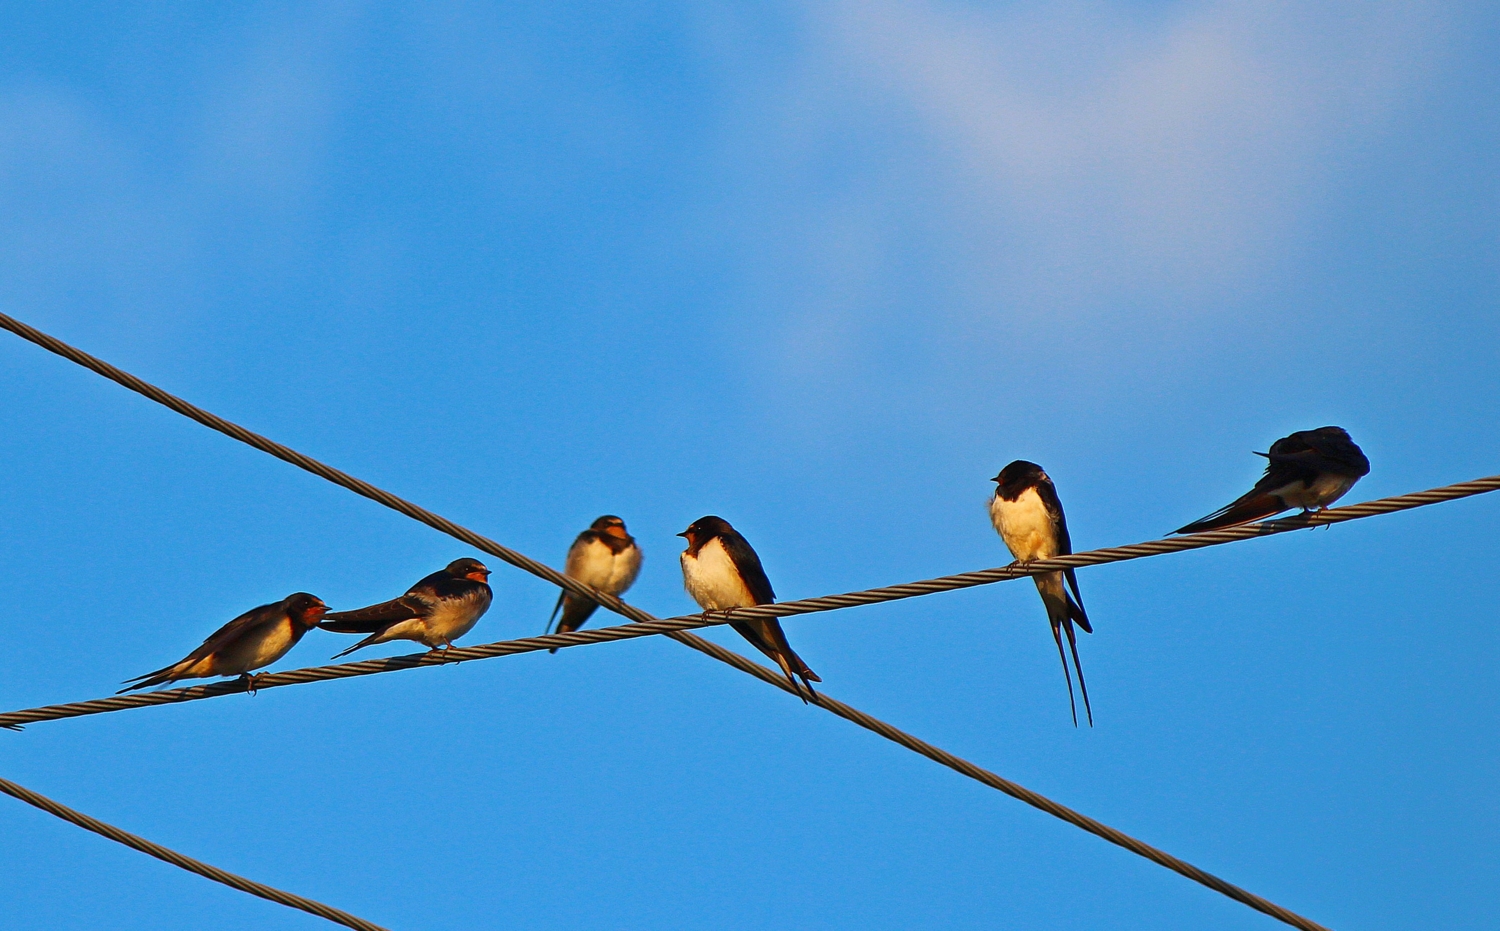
(257,638)
(604,556)
(722,572)
(1029,518)
(1310,469)
(436,611)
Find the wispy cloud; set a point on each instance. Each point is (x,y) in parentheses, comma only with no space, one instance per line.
(1178,150)
(930,183)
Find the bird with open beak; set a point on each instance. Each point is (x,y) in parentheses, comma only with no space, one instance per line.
(722,572)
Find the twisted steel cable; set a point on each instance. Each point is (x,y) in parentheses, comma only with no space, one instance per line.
(289,899)
(676,627)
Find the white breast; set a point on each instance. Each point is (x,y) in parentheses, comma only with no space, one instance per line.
(455,618)
(712,580)
(1025,526)
(595,564)
(623,570)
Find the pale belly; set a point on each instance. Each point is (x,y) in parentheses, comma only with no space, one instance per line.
(623,570)
(605,570)
(1025,526)
(254,652)
(454,619)
(713,581)
(1327,488)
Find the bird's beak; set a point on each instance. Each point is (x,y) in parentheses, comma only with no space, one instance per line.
(685,533)
(995,479)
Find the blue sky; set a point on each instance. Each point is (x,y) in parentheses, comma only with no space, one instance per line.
(819,269)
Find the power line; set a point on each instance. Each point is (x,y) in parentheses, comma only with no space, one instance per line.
(685,622)
(524,562)
(916,744)
(289,899)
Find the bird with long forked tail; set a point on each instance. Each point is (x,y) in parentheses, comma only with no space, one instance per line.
(435,612)
(606,557)
(722,572)
(1029,517)
(1310,469)
(257,638)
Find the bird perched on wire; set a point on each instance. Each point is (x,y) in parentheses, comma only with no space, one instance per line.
(436,611)
(257,638)
(1310,469)
(722,572)
(1029,517)
(605,557)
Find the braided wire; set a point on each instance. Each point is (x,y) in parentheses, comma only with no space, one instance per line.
(182,861)
(675,626)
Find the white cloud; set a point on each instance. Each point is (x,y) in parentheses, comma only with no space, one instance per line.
(1077,154)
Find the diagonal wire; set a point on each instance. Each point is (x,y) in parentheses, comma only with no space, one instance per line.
(287,454)
(888,731)
(524,562)
(289,899)
(673,625)
(782,609)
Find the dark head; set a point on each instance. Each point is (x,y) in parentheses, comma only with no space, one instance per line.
(1333,433)
(1017,477)
(611,525)
(304,609)
(704,529)
(471,569)
(1333,443)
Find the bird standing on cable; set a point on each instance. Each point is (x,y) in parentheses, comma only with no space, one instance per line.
(1310,469)
(722,572)
(436,611)
(605,557)
(257,638)
(1028,516)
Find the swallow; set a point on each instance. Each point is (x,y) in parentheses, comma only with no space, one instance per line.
(605,557)
(436,611)
(1310,469)
(257,638)
(1029,517)
(722,572)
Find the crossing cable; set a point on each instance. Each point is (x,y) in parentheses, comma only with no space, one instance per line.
(521,561)
(289,899)
(673,625)
(822,699)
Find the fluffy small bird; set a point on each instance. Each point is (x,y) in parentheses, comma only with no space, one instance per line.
(436,611)
(605,557)
(1310,469)
(722,572)
(257,638)
(1029,517)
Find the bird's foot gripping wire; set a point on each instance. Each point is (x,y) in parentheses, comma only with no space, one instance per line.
(1312,514)
(250,682)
